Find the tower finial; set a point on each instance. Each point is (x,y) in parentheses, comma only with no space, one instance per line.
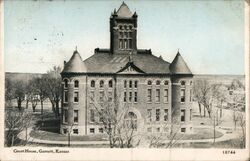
(76,48)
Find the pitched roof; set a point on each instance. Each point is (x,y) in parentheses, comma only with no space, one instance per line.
(75,64)
(179,66)
(124,11)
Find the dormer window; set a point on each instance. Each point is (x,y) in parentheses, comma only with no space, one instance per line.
(66,83)
(92,84)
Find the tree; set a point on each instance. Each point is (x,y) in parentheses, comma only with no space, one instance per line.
(9,92)
(53,84)
(242,123)
(120,124)
(15,123)
(39,86)
(19,92)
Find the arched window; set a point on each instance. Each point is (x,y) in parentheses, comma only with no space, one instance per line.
(110,84)
(158,82)
(149,83)
(131,120)
(76,84)
(66,83)
(92,84)
(101,84)
(166,83)
(183,83)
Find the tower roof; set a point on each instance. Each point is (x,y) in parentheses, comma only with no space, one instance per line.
(124,11)
(75,64)
(179,66)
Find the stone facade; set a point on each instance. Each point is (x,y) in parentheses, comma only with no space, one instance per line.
(158,93)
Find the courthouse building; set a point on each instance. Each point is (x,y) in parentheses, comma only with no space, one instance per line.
(156,92)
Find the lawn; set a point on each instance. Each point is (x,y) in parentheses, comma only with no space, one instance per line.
(201,133)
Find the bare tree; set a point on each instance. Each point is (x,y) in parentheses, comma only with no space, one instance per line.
(9,92)
(15,123)
(242,123)
(119,123)
(53,84)
(19,92)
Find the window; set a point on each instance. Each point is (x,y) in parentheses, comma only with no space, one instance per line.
(110,84)
(149,83)
(157,96)
(190,96)
(131,120)
(101,84)
(92,130)
(149,129)
(75,131)
(101,116)
(130,84)
(125,44)
(110,96)
(135,97)
(100,130)
(66,83)
(165,83)
(157,115)
(165,114)
(182,115)
(158,129)
(149,95)
(92,84)
(65,131)
(130,96)
(66,96)
(136,84)
(125,84)
(65,116)
(76,84)
(182,95)
(182,83)
(120,44)
(149,115)
(190,114)
(76,96)
(158,82)
(125,97)
(165,95)
(75,116)
(92,115)
(92,96)
(101,94)
(191,83)
(183,130)
(130,43)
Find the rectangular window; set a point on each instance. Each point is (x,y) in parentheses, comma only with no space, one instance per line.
(130,43)
(135,97)
(130,84)
(165,95)
(182,95)
(110,96)
(149,95)
(100,130)
(183,130)
(120,43)
(165,114)
(66,96)
(157,115)
(190,96)
(158,129)
(149,115)
(92,130)
(101,116)
(76,96)
(65,115)
(92,96)
(92,115)
(101,96)
(157,95)
(125,84)
(182,115)
(75,131)
(75,116)
(190,114)
(65,131)
(130,96)
(125,97)
(136,84)
(149,129)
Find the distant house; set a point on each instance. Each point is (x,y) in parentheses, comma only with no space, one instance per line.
(155,90)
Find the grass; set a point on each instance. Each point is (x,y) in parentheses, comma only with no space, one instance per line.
(202,133)
(45,135)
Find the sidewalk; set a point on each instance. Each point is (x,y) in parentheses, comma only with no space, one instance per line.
(35,140)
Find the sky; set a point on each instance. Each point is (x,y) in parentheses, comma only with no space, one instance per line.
(209,34)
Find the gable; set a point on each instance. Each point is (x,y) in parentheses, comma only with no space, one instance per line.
(130,68)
